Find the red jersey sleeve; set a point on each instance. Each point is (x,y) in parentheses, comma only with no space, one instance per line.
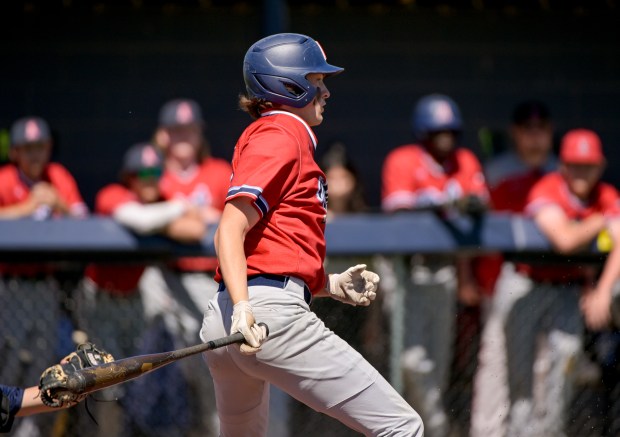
(265,168)
(609,201)
(545,192)
(111,197)
(8,182)
(398,179)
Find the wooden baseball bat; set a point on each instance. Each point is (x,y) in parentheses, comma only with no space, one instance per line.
(92,379)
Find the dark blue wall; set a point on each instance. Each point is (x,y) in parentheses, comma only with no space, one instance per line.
(99,76)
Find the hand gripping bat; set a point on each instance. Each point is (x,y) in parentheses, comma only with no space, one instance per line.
(73,386)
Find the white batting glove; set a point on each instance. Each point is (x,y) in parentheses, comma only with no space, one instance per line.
(356,286)
(243,321)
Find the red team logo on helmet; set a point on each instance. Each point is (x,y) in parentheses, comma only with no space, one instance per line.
(184,113)
(149,157)
(32,131)
(442,112)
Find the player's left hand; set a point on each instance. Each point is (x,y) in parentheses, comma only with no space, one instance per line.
(355,286)
(596,307)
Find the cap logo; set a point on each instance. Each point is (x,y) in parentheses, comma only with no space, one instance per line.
(321,49)
(583,147)
(442,112)
(32,131)
(184,113)
(149,157)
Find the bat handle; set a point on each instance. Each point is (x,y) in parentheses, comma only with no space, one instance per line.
(264,325)
(237,337)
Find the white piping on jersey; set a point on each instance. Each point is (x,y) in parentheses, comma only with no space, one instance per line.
(256,192)
(301,120)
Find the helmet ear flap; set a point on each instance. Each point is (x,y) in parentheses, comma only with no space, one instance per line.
(293,93)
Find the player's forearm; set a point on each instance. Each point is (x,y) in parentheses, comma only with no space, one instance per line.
(18,210)
(186,229)
(575,236)
(32,404)
(232,262)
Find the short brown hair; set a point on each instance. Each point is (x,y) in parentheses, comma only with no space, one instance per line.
(254,106)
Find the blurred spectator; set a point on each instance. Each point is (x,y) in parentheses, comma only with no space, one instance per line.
(510,177)
(532,136)
(109,307)
(191,175)
(433,174)
(346,194)
(181,291)
(540,303)
(111,289)
(31,186)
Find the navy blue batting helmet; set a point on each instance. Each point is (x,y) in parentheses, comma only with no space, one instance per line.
(434,113)
(275,69)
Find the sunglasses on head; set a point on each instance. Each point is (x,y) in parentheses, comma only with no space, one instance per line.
(149,173)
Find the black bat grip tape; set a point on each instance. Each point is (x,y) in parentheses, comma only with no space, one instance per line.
(237,337)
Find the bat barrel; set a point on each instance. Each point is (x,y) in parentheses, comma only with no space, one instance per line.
(109,374)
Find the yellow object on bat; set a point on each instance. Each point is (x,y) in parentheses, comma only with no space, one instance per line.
(604,242)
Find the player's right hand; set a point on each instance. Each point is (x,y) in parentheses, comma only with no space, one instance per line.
(355,286)
(243,321)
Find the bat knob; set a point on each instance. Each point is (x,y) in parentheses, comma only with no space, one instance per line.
(265,326)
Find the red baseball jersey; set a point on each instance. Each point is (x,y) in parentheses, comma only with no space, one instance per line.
(15,188)
(273,164)
(412,178)
(509,195)
(115,278)
(206,186)
(552,190)
(512,193)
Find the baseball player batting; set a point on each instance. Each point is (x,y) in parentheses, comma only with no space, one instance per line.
(271,249)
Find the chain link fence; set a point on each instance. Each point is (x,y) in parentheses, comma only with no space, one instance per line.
(42,319)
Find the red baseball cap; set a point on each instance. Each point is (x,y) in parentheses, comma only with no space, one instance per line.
(581,146)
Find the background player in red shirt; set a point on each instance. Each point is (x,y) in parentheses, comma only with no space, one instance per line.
(271,248)
(31,185)
(109,305)
(435,174)
(542,302)
(510,177)
(193,176)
